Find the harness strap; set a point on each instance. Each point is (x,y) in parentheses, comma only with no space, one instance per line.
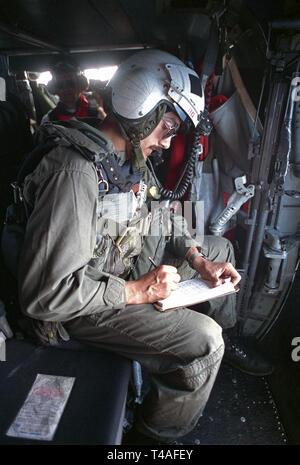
(104,161)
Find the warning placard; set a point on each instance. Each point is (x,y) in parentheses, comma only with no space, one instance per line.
(40,414)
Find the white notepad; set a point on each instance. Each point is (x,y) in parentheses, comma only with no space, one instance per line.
(194,291)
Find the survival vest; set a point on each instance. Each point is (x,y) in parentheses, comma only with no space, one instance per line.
(83,110)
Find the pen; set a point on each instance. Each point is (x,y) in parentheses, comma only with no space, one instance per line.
(153,262)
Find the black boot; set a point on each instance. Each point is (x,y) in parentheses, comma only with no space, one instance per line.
(241,353)
(134,437)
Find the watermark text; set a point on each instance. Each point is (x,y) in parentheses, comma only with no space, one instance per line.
(296,351)
(296,91)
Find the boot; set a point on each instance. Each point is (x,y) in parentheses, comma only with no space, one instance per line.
(241,353)
(134,437)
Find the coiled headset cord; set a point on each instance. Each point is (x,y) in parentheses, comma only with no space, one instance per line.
(204,128)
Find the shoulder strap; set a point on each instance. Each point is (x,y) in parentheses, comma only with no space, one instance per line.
(56,131)
(33,158)
(103,159)
(109,172)
(211,53)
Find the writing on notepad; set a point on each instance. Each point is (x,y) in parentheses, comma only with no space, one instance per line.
(194,291)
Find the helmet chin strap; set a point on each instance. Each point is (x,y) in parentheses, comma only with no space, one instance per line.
(135,131)
(134,153)
(138,159)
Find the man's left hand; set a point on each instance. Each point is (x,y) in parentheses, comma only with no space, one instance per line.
(216,272)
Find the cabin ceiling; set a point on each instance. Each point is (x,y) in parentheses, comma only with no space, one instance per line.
(102,32)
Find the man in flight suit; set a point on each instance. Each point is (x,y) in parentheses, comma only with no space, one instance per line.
(69,84)
(84,270)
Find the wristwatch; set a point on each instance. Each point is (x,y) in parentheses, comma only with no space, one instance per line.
(193,256)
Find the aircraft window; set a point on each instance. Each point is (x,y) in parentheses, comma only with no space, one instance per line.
(98,74)
(44,78)
(101,74)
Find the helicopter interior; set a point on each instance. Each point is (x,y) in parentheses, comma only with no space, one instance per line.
(247,176)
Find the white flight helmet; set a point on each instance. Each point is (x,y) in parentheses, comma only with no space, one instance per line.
(148,79)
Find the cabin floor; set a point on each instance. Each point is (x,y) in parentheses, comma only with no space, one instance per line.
(240,411)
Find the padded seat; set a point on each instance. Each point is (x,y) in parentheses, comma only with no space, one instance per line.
(95,410)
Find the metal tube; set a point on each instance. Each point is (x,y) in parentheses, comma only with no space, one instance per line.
(259,237)
(28,38)
(285,24)
(249,240)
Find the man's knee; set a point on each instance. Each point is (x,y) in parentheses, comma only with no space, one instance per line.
(219,249)
(212,334)
(205,335)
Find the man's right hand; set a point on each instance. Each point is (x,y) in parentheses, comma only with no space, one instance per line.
(152,286)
